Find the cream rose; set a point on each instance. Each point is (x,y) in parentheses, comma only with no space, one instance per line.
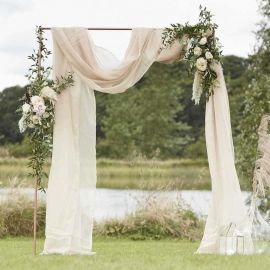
(36,99)
(208,55)
(203,41)
(49,93)
(201,64)
(197,51)
(26,108)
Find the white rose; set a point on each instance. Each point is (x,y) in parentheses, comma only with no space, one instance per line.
(36,99)
(208,55)
(26,108)
(201,64)
(197,51)
(49,93)
(22,124)
(203,41)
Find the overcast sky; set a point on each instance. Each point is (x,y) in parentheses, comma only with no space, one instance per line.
(236,19)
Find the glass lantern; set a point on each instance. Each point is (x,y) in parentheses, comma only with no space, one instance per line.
(231,241)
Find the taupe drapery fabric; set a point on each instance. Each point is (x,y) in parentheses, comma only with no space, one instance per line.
(71,189)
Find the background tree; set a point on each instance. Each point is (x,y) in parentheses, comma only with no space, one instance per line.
(144,119)
(9,102)
(256,99)
(156,115)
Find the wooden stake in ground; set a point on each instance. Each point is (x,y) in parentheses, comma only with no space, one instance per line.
(36,179)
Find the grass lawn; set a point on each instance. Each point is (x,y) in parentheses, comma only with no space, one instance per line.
(124,254)
(126,174)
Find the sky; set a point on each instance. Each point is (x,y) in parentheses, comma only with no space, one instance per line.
(237,21)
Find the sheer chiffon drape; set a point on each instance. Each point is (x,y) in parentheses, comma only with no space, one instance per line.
(72,180)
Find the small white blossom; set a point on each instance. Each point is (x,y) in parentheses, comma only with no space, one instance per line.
(208,55)
(35,119)
(201,64)
(22,125)
(26,108)
(49,93)
(197,51)
(46,115)
(197,89)
(203,41)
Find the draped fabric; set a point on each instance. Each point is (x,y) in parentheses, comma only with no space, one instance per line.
(227,205)
(72,180)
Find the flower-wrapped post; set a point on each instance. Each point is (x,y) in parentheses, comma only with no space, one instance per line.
(202,52)
(37,109)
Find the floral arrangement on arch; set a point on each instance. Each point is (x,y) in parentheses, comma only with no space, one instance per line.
(202,53)
(37,109)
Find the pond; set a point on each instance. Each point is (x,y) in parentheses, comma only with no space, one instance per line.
(116,203)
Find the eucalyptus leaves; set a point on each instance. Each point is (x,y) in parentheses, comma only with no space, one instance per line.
(202,53)
(38,104)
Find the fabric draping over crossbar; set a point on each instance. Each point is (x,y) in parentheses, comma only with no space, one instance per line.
(72,180)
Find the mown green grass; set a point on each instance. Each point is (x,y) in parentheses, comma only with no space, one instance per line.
(125,174)
(123,254)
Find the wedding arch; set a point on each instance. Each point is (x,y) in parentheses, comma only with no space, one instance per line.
(67,105)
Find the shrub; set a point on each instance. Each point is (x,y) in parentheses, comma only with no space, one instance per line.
(154,218)
(16,216)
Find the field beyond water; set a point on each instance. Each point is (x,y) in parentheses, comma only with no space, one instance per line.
(125,174)
(123,254)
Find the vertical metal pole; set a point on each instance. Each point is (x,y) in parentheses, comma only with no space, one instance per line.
(35,221)
(36,179)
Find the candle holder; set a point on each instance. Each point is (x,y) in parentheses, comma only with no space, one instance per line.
(231,240)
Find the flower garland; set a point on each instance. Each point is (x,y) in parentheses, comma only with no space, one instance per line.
(37,109)
(203,51)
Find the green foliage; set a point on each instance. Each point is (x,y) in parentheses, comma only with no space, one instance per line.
(19,150)
(153,220)
(144,119)
(157,224)
(16,217)
(9,102)
(156,81)
(197,149)
(256,101)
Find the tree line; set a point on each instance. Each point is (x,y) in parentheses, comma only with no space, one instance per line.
(154,118)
